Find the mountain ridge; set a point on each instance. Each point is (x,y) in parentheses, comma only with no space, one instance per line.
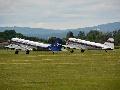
(46,33)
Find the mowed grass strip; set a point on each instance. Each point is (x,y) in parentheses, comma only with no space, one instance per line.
(92,70)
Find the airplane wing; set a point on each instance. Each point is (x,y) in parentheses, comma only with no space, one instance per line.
(18,47)
(71,46)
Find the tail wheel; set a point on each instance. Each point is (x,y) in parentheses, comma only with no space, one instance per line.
(82,51)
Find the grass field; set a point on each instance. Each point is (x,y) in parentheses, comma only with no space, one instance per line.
(92,70)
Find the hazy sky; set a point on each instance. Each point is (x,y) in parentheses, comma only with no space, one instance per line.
(58,14)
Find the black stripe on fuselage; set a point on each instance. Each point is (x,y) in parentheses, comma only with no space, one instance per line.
(110,41)
(21,43)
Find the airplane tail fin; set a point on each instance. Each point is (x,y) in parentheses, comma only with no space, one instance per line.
(110,43)
(57,45)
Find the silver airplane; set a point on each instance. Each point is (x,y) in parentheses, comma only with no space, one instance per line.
(27,45)
(83,45)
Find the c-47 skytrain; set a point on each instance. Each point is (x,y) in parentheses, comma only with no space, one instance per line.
(83,45)
(27,45)
(72,43)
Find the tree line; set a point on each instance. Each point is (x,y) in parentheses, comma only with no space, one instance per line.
(93,35)
(8,34)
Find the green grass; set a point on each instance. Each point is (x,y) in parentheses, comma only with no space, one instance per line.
(92,70)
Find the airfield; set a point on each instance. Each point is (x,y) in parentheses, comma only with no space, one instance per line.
(41,70)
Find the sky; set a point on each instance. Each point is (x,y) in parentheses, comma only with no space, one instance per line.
(58,14)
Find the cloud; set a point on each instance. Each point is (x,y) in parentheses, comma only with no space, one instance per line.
(58,13)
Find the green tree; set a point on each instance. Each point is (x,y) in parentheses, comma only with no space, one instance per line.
(116,36)
(52,40)
(9,34)
(81,35)
(19,35)
(95,36)
(69,35)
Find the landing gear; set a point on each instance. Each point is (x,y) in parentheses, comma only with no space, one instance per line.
(82,51)
(72,51)
(27,51)
(105,50)
(16,52)
(53,53)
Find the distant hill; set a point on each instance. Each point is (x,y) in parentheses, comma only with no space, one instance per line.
(46,33)
(37,32)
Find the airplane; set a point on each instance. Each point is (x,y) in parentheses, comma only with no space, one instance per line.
(27,45)
(74,43)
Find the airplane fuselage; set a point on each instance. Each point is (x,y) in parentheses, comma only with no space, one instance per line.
(83,44)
